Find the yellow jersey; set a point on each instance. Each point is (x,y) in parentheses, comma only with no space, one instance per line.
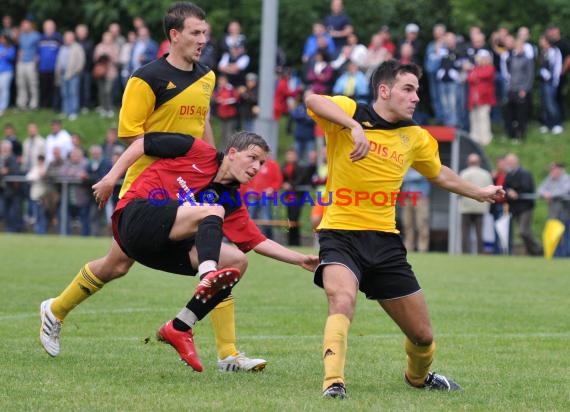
(363,195)
(161,98)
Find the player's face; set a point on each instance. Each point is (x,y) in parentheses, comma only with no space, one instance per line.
(188,43)
(246,164)
(402,98)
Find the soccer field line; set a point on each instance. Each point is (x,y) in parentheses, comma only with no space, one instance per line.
(318,338)
(521,335)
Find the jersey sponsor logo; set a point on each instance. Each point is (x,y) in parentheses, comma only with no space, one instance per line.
(193,110)
(387,153)
(170,86)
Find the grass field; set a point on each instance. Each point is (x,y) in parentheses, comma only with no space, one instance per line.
(501,326)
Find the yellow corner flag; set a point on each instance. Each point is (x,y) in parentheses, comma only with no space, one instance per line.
(553,231)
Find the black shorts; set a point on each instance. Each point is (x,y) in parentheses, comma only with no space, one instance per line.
(377,259)
(142,231)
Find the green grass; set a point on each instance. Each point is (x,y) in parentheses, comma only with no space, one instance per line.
(501,327)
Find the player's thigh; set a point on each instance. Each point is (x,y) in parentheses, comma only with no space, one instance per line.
(411,314)
(188,218)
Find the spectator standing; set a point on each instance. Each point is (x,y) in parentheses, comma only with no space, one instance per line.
(48,49)
(520,69)
(125,52)
(415,211)
(8,28)
(79,201)
(352,83)
(519,186)
(234,64)
(304,128)
(285,91)
(312,45)
(377,54)
(69,66)
(248,102)
(85,82)
(7,59)
(500,207)
(111,143)
(27,82)
(411,37)
(144,49)
(556,39)
(320,74)
(481,97)
(353,51)
(294,181)
(106,53)
(436,50)
(97,167)
(60,138)
(33,146)
(39,188)
(260,191)
(10,136)
(12,192)
(226,97)
(550,70)
(555,189)
(232,37)
(449,81)
(338,24)
(471,210)
(209,55)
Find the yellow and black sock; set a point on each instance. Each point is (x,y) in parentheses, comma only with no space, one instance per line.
(335,344)
(419,361)
(81,287)
(224,322)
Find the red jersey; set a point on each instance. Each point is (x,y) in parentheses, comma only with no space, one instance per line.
(185,172)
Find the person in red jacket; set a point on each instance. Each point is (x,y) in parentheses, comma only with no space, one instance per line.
(226,97)
(260,194)
(481,97)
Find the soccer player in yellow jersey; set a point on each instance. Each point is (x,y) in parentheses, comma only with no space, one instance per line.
(170,94)
(369,150)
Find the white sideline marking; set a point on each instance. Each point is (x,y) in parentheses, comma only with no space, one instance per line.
(25,315)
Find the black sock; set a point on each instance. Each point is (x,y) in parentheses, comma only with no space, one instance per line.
(209,238)
(202,309)
(179,325)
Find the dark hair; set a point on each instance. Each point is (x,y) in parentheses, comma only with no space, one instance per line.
(244,140)
(177,13)
(388,71)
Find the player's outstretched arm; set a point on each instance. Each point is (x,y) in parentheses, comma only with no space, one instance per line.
(103,189)
(452,182)
(276,251)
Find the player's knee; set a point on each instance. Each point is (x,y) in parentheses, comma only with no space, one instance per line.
(422,336)
(239,261)
(216,210)
(341,302)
